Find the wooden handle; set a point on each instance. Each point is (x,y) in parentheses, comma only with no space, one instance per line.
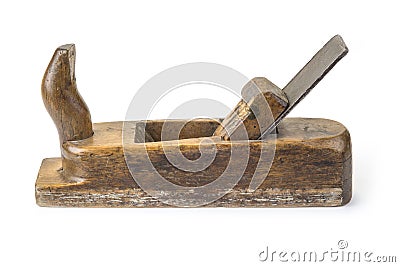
(62,99)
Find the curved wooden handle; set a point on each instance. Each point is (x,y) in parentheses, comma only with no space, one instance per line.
(62,99)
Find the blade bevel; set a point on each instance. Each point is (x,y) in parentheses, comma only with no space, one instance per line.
(310,75)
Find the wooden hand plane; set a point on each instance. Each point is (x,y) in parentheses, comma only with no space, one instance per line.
(311,164)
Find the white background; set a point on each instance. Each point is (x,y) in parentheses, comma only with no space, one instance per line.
(120,45)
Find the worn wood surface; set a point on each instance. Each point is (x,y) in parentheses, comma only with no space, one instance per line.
(311,167)
(62,99)
(262,103)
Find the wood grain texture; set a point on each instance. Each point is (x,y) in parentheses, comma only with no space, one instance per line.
(262,103)
(62,99)
(311,167)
